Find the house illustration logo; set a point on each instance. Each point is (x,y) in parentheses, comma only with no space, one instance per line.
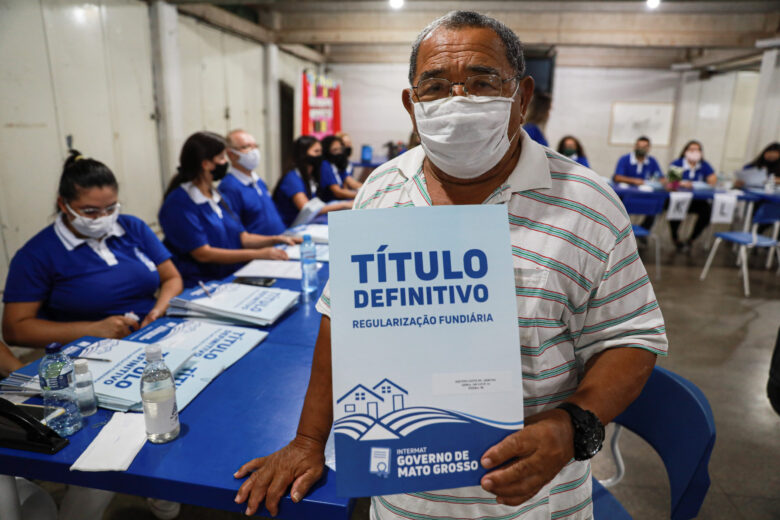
(384,397)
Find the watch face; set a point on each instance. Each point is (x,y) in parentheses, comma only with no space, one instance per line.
(589,437)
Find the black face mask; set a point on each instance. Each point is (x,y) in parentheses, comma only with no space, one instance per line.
(314,162)
(347,151)
(341,160)
(220,171)
(640,152)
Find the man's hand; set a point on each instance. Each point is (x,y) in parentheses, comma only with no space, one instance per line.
(534,454)
(288,240)
(300,463)
(115,327)
(271,253)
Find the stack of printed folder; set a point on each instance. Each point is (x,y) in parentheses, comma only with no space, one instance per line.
(234,303)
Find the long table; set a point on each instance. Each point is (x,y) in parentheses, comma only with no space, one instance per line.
(250,410)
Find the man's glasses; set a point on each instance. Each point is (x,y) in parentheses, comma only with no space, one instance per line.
(432,89)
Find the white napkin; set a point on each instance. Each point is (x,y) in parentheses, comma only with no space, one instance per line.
(115,446)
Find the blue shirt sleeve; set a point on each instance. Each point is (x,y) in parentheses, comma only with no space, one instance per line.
(620,167)
(182,227)
(30,279)
(706,169)
(151,245)
(656,167)
(292,184)
(328,175)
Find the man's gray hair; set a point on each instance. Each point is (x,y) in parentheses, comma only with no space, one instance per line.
(463,19)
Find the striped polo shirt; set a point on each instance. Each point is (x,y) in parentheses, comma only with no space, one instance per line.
(581,288)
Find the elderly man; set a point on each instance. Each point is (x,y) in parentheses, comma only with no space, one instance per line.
(589,324)
(245,190)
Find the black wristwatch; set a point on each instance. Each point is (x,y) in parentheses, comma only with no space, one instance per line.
(588,431)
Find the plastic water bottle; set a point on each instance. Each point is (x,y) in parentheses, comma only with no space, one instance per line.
(309,276)
(769,187)
(59,398)
(158,394)
(85,389)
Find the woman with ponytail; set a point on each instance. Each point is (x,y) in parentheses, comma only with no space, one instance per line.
(204,233)
(93,272)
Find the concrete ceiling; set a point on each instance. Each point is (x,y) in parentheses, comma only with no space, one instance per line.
(580,33)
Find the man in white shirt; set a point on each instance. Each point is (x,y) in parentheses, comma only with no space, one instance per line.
(589,326)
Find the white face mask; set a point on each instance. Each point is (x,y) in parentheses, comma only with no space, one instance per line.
(248,160)
(464,136)
(93,227)
(693,156)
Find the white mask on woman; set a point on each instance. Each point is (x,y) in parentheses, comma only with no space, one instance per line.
(693,156)
(93,227)
(464,136)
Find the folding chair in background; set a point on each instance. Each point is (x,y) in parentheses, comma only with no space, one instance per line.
(647,203)
(682,432)
(767,213)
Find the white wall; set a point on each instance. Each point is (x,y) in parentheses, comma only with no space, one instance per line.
(85,70)
(582,107)
(371,108)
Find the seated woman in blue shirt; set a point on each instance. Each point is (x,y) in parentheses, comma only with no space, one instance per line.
(337,182)
(204,233)
(538,114)
(571,148)
(301,184)
(695,169)
(93,272)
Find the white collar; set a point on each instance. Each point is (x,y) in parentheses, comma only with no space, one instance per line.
(687,165)
(532,170)
(198,197)
(246,180)
(71,241)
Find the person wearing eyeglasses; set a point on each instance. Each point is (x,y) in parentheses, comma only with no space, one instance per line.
(93,272)
(202,230)
(245,191)
(574,257)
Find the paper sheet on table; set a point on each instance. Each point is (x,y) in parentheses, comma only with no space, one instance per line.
(115,446)
(679,202)
(270,269)
(308,212)
(322,252)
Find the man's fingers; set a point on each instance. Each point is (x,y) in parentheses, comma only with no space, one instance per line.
(257,492)
(513,446)
(252,465)
(276,492)
(303,483)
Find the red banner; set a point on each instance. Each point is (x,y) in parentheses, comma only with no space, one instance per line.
(320,106)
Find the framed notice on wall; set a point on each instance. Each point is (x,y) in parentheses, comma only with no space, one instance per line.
(631,120)
(321,106)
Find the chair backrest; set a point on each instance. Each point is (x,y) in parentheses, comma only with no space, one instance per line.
(644,202)
(674,417)
(767,213)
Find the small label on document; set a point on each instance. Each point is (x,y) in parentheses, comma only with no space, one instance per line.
(472,382)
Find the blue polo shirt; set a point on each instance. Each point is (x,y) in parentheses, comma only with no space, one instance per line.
(189,221)
(535,133)
(250,199)
(580,159)
(329,175)
(629,166)
(291,184)
(700,172)
(84,279)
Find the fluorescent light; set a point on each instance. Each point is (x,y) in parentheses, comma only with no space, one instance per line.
(653,4)
(396,4)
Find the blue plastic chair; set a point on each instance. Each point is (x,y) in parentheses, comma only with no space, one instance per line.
(768,213)
(673,416)
(648,203)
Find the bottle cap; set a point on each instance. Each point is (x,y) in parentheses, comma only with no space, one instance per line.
(307,238)
(81,366)
(53,348)
(153,353)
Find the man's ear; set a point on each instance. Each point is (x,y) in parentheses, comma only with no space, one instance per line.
(526,91)
(406,99)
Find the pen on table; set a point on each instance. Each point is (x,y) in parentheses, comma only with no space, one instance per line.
(104,360)
(205,289)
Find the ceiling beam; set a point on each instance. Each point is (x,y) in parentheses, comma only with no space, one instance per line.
(228,21)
